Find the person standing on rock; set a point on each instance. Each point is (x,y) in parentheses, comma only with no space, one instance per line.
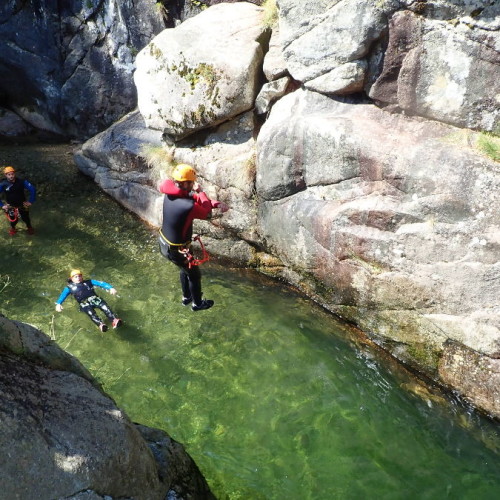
(16,204)
(83,292)
(183,202)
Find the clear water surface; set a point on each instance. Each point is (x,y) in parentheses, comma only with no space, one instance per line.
(272,397)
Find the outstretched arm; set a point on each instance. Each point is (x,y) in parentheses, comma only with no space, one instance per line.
(61,299)
(203,204)
(104,285)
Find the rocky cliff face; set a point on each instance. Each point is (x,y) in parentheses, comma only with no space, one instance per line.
(361,176)
(398,230)
(67,66)
(63,437)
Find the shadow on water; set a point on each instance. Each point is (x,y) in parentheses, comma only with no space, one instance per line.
(271,395)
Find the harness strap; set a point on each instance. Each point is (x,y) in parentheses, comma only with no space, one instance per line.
(93,300)
(12,214)
(184,248)
(187,243)
(196,262)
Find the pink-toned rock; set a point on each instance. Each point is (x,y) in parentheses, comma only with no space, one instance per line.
(474,375)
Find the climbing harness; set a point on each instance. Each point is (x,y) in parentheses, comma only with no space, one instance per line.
(92,301)
(12,214)
(192,261)
(185,250)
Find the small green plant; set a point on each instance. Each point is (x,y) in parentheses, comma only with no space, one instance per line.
(155,51)
(159,159)
(52,328)
(489,144)
(199,4)
(162,11)
(270,13)
(251,165)
(4,282)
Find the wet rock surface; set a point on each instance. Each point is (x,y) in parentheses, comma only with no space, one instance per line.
(63,437)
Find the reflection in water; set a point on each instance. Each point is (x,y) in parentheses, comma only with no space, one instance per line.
(272,397)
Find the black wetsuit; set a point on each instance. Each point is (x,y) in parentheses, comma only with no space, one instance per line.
(175,214)
(15,196)
(85,295)
(180,208)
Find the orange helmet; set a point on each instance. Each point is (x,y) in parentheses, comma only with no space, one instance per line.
(6,170)
(75,272)
(184,172)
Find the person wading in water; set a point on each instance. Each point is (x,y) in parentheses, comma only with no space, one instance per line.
(83,292)
(183,202)
(17,205)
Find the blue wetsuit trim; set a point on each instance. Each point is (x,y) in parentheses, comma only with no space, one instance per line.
(27,185)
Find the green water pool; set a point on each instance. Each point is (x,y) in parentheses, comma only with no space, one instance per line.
(272,397)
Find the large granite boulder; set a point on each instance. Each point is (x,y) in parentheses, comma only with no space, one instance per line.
(325,44)
(194,7)
(441,61)
(203,72)
(67,66)
(114,160)
(63,437)
(391,222)
(12,125)
(447,72)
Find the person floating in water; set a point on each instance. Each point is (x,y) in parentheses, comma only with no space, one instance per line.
(183,202)
(83,291)
(17,205)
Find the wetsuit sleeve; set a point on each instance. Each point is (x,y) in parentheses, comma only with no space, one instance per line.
(202,206)
(163,186)
(213,203)
(2,187)
(102,284)
(32,191)
(63,295)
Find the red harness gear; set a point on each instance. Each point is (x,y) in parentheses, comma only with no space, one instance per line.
(192,261)
(12,214)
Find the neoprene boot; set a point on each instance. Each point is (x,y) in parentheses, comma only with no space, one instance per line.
(204,304)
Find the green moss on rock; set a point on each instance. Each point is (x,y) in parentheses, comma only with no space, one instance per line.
(155,51)
(201,74)
(425,355)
